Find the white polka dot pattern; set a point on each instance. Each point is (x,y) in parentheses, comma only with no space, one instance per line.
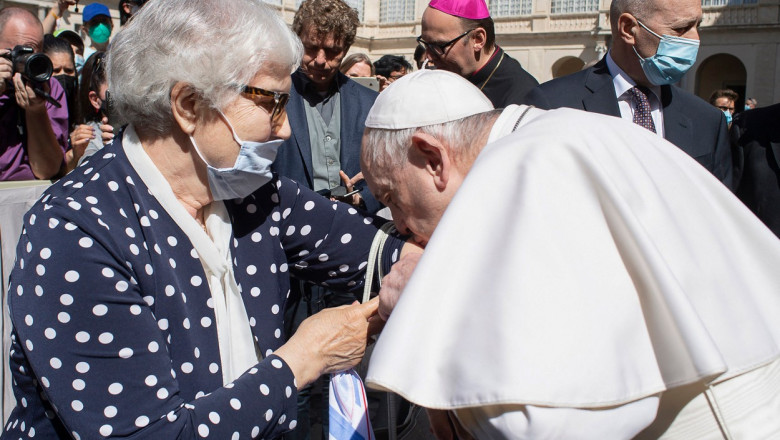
(112,311)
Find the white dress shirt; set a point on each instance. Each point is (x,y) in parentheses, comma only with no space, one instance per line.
(623,83)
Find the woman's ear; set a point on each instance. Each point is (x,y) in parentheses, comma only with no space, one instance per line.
(185,106)
(94,99)
(429,153)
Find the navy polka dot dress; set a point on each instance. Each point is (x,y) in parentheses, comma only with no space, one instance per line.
(114,331)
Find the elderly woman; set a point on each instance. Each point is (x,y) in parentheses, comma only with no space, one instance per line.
(149,283)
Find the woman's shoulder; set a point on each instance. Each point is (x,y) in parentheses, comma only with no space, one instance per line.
(97,189)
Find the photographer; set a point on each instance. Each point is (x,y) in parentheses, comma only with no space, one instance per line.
(33,130)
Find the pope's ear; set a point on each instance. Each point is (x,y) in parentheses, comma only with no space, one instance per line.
(185,104)
(429,153)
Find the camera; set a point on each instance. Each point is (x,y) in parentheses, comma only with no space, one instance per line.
(33,66)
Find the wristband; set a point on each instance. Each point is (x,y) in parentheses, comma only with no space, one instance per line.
(56,17)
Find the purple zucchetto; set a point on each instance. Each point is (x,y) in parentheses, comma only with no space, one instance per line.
(470,9)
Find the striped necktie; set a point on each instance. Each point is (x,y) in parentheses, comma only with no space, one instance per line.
(642,115)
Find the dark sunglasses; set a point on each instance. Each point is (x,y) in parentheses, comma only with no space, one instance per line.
(439,49)
(280,99)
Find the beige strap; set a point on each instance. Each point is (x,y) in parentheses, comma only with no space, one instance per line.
(375,258)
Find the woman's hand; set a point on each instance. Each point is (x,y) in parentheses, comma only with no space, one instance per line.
(108,131)
(79,139)
(329,341)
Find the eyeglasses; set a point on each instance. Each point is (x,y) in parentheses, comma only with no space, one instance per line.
(280,99)
(439,49)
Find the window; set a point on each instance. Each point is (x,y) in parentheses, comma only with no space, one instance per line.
(510,8)
(358,5)
(727,2)
(574,6)
(396,11)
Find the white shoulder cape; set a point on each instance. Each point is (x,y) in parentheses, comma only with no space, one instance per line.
(585,262)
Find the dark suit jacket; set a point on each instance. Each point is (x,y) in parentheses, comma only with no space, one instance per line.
(294,157)
(756,138)
(692,124)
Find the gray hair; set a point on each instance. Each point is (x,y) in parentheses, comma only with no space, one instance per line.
(214,46)
(638,8)
(390,147)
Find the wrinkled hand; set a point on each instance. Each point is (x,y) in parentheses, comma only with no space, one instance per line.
(329,341)
(6,70)
(26,97)
(79,139)
(445,426)
(394,282)
(108,131)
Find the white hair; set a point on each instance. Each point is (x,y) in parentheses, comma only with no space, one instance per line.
(215,46)
(389,148)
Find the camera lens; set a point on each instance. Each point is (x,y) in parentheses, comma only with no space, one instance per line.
(38,67)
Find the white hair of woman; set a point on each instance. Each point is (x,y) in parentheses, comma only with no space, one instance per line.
(215,53)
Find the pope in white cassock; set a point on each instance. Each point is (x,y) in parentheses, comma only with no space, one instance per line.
(586,279)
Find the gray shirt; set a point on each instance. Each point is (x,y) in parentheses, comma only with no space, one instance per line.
(323,115)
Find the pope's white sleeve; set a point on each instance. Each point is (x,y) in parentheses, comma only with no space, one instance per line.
(534,422)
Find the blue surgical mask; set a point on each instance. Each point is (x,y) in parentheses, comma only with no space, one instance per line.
(674,57)
(251,170)
(79,62)
(728,116)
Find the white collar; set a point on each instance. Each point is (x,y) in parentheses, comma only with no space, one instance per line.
(161,190)
(622,82)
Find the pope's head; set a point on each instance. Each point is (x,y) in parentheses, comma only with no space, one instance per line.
(422,136)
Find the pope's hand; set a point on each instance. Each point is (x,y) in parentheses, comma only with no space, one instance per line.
(394,282)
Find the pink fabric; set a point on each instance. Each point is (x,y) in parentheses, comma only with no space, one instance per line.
(470,9)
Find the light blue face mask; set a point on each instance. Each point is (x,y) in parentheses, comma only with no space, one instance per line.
(728,116)
(674,57)
(251,170)
(79,62)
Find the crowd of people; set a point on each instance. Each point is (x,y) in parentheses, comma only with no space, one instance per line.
(598,252)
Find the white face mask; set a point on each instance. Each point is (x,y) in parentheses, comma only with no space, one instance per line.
(251,170)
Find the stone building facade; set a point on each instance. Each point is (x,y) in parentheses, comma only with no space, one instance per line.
(740,38)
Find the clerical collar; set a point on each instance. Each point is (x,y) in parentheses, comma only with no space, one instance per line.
(483,72)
